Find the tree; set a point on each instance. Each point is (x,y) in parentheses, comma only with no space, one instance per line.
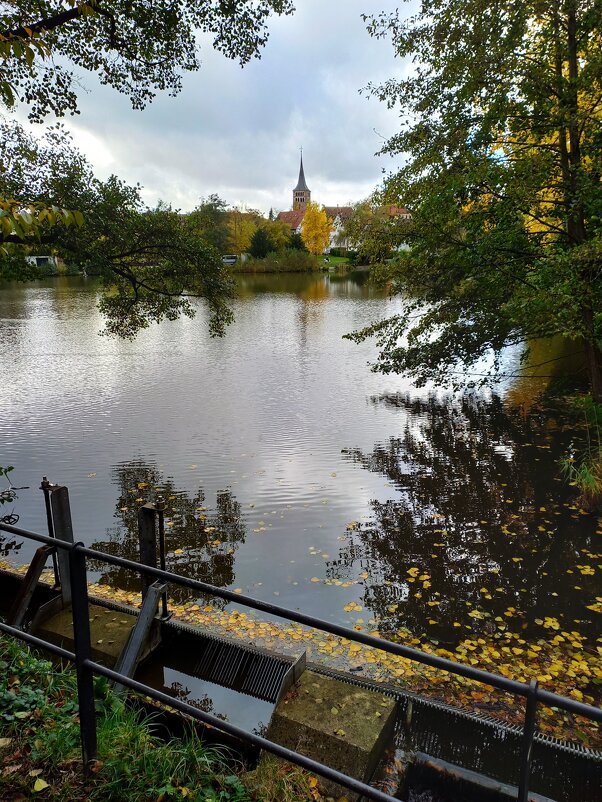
(151,260)
(296,242)
(209,221)
(241,226)
(374,231)
(502,138)
(261,243)
(279,232)
(136,47)
(316,229)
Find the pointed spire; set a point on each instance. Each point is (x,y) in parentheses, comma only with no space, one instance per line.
(301,185)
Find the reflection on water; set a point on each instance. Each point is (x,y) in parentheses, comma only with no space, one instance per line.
(290,469)
(481,528)
(200,543)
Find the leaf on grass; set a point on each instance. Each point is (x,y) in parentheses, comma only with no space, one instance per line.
(40,785)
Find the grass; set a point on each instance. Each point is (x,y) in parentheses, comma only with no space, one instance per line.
(583,468)
(40,755)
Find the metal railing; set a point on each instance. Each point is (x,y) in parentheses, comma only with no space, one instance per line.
(77,553)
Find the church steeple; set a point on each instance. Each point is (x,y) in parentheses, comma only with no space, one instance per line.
(301,193)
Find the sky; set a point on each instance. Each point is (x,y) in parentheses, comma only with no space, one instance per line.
(238,132)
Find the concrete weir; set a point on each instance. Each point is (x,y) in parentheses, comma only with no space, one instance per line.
(338,724)
(329,715)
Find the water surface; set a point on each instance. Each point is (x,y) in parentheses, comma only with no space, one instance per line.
(292,472)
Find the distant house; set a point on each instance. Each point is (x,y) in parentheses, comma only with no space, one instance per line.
(293,219)
(338,215)
(42,261)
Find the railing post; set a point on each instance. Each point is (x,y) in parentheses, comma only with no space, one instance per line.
(63,530)
(527,742)
(45,486)
(147,534)
(83,653)
(160,507)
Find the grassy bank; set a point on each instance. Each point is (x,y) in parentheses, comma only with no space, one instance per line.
(40,755)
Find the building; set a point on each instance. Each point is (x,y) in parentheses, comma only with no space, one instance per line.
(338,214)
(301,193)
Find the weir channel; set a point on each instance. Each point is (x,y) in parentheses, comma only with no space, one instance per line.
(446,751)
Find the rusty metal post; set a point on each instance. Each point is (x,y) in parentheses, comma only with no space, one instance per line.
(160,507)
(83,654)
(527,744)
(63,530)
(45,487)
(147,536)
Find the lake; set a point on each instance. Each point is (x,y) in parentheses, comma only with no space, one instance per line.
(291,471)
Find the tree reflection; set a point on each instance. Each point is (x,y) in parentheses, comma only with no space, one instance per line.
(481,520)
(200,542)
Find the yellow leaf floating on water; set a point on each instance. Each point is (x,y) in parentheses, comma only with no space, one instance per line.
(413,571)
(314,579)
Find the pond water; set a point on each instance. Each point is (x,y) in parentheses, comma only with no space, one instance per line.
(292,472)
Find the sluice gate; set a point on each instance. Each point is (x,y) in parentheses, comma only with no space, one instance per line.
(462,754)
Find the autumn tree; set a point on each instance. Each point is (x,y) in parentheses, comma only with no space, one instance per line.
(502,145)
(375,231)
(316,229)
(242,224)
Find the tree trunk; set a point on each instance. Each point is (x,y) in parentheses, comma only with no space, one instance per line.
(594,367)
(593,355)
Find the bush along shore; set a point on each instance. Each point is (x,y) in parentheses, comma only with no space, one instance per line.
(40,755)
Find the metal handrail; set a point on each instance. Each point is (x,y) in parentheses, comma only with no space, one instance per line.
(78,552)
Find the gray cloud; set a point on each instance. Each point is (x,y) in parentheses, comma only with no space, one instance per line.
(237,131)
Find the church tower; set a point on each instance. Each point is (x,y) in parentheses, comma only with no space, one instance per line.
(301,193)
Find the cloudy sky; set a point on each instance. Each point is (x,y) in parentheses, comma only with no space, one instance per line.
(238,131)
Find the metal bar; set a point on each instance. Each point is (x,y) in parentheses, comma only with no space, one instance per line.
(476,674)
(160,507)
(63,531)
(20,605)
(83,652)
(147,536)
(32,640)
(256,740)
(527,742)
(130,656)
(224,726)
(45,488)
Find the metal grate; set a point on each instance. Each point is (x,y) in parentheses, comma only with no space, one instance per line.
(241,669)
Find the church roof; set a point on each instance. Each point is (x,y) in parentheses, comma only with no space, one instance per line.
(338,211)
(292,218)
(301,185)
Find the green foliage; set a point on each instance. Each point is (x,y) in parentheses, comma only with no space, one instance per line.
(286,261)
(583,467)
(134,764)
(209,221)
(7,494)
(152,261)
(137,48)
(502,137)
(296,242)
(374,232)
(261,243)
